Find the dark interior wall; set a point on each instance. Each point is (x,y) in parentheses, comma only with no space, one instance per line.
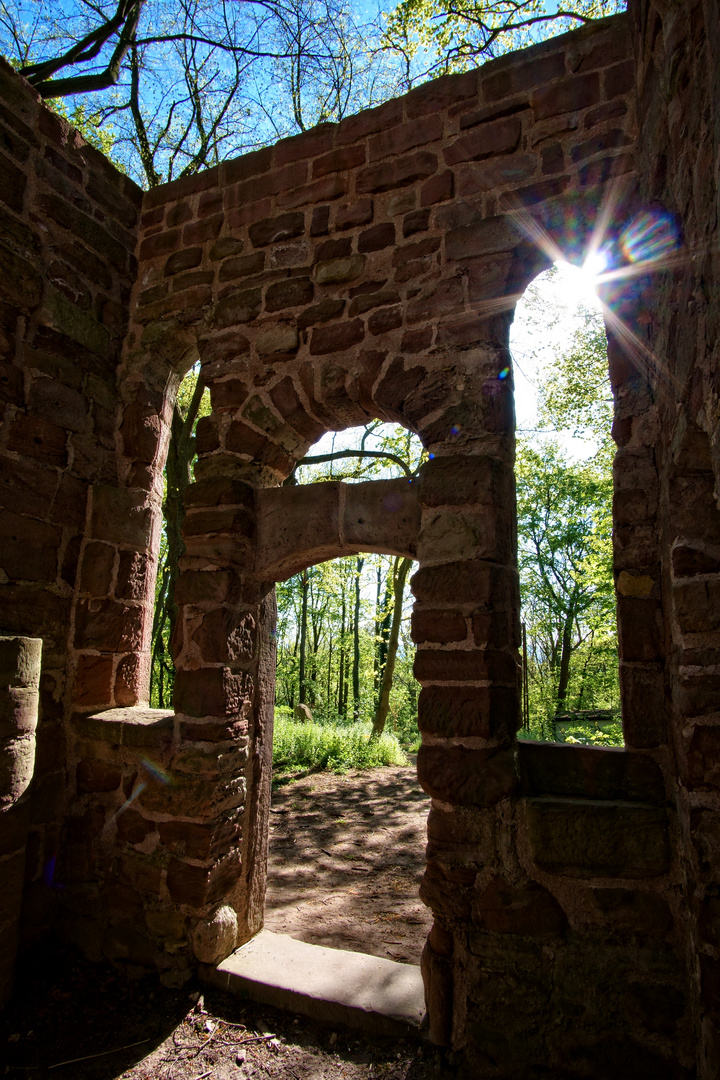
(68,222)
(678,94)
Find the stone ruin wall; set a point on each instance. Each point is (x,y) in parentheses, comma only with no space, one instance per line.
(68,229)
(360,270)
(678,94)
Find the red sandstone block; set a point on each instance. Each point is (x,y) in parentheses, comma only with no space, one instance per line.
(465,777)
(348,157)
(473,581)
(460,481)
(201,231)
(367,301)
(224,876)
(418,250)
(291,292)
(567,95)
(181,188)
(226,247)
(609,111)
(500,137)
(336,337)
(109,626)
(51,399)
(262,187)
(92,776)
(495,173)
(185,259)
(211,692)
(120,515)
(337,248)
(186,838)
(97,569)
(320,313)
(384,320)
(403,137)
(355,128)
(210,203)
(529,909)
(439,626)
(11,384)
(438,94)
(288,404)
(93,682)
(377,237)
(320,221)
(219,491)
(604,169)
(354,214)
(252,164)
(12,184)
(398,173)
(490,712)
(133,576)
(609,139)
(238,307)
(326,189)
(242,266)
(186,282)
(523,74)
(415,222)
(481,238)
(179,214)
(309,144)
(553,159)
(460,665)
(38,439)
(535,193)
(162,243)
(271,230)
(444,299)
(415,341)
(619,79)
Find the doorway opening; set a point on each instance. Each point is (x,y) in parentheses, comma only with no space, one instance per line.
(348,817)
(564,495)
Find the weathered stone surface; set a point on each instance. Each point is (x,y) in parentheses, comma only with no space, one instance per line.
(467,777)
(214,938)
(583,838)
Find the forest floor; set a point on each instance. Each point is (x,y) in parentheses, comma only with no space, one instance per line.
(346,854)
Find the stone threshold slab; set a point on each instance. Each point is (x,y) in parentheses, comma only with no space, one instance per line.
(374,995)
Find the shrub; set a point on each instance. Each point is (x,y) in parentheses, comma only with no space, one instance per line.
(335,747)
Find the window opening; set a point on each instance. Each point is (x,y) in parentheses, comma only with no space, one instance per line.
(192,402)
(564,494)
(348,818)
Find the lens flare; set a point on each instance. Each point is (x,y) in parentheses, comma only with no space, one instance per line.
(504,373)
(650,236)
(156,771)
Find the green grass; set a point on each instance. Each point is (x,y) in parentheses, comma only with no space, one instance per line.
(333,747)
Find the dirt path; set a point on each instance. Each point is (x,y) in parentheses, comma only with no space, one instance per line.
(346,856)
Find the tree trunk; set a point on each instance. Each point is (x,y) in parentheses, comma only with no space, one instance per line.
(178,477)
(400,573)
(356,642)
(564,677)
(303,638)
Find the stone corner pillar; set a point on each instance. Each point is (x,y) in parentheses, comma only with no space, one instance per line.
(19,681)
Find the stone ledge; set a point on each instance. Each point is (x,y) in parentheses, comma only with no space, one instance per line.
(589,772)
(136,725)
(332,985)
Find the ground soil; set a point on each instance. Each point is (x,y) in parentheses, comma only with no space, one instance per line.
(346,856)
(349,847)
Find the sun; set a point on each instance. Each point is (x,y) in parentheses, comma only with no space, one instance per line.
(577,284)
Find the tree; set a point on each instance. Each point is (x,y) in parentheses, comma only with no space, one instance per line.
(452,36)
(192,402)
(565,563)
(185,85)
